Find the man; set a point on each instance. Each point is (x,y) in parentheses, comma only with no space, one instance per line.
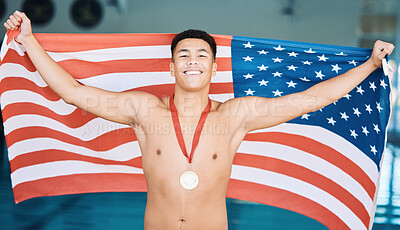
(187,169)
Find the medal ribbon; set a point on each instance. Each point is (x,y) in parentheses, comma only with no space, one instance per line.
(178,131)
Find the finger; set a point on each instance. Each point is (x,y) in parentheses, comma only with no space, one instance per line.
(22,15)
(14,20)
(17,16)
(383,53)
(11,24)
(7,26)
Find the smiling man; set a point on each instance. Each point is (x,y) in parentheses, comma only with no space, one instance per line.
(187,166)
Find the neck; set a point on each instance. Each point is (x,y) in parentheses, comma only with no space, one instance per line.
(190,103)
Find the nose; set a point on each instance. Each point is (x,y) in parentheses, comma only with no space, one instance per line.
(193,61)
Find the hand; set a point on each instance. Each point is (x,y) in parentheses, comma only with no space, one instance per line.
(17,20)
(379,52)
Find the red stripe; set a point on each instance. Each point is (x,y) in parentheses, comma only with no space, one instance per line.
(320,150)
(76,119)
(13,57)
(19,83)
(284,199)
(80,117)
(105,142)
(83,69)
(307,175)
(53,155)
(82,42)
(80,183)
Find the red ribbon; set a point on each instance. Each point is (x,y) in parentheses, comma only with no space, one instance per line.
(178,131)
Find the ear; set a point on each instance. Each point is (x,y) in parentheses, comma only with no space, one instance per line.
(171,69)
(214,69)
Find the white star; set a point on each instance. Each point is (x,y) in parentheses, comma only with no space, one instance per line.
(347,96)
(262,82)
(305,116)
(368,108)
(364,130)
(292,67)
(277,93)
(319,74)
(321,109)
(262,52)
(247,76)
(322,58)
(291,84)
(331,121)
(277,59)
(306,62)
(248,45)
(378,107)
(277,74)
(335,102)
(248,58)
(304,79)
(353,134)
(360,90)
(249,92)
(352,62)
(344,116)
(310,51)
(372,86)
(383,84)
(293,54)
(341,54)
(279,48)
(262,67)
(336,68)
(376,128)
(373,149)
(356,112)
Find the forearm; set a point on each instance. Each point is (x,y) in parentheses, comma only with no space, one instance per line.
(335,88)
(60,81)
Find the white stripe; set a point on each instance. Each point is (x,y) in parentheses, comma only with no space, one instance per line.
(311,162)
(301,188)
(126,53)
(113,82)
(118,82)
(88,131)
(16,70)
(330,139)
(63,168)
(124,152)
(16,96)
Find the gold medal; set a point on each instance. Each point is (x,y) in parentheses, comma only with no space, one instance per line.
(189,180)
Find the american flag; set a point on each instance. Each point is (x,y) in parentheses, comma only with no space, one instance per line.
(325,165)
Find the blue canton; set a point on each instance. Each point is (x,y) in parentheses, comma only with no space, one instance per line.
(274,68)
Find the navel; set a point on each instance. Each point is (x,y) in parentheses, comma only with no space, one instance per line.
(215,156)
(158,152)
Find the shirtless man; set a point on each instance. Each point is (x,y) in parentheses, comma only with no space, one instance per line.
(173,203)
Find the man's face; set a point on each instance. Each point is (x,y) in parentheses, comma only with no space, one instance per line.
(193,64)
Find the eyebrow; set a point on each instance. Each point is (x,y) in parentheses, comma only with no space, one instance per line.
(199,50)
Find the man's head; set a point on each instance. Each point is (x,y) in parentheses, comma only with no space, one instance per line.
(191,33)
(193,60)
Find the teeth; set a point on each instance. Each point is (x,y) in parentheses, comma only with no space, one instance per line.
(192,72)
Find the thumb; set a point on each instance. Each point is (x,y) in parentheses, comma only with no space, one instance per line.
(383,53)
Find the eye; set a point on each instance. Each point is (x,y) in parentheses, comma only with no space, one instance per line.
(183,55)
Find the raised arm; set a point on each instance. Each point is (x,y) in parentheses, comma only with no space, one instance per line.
(118,107)
(257,112)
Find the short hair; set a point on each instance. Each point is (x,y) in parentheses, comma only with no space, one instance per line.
(191,33)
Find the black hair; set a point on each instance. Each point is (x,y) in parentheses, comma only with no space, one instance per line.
(191,33)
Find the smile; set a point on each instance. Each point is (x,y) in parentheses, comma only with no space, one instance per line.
(193,72)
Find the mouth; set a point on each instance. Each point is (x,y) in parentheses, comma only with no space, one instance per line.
(192,72)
